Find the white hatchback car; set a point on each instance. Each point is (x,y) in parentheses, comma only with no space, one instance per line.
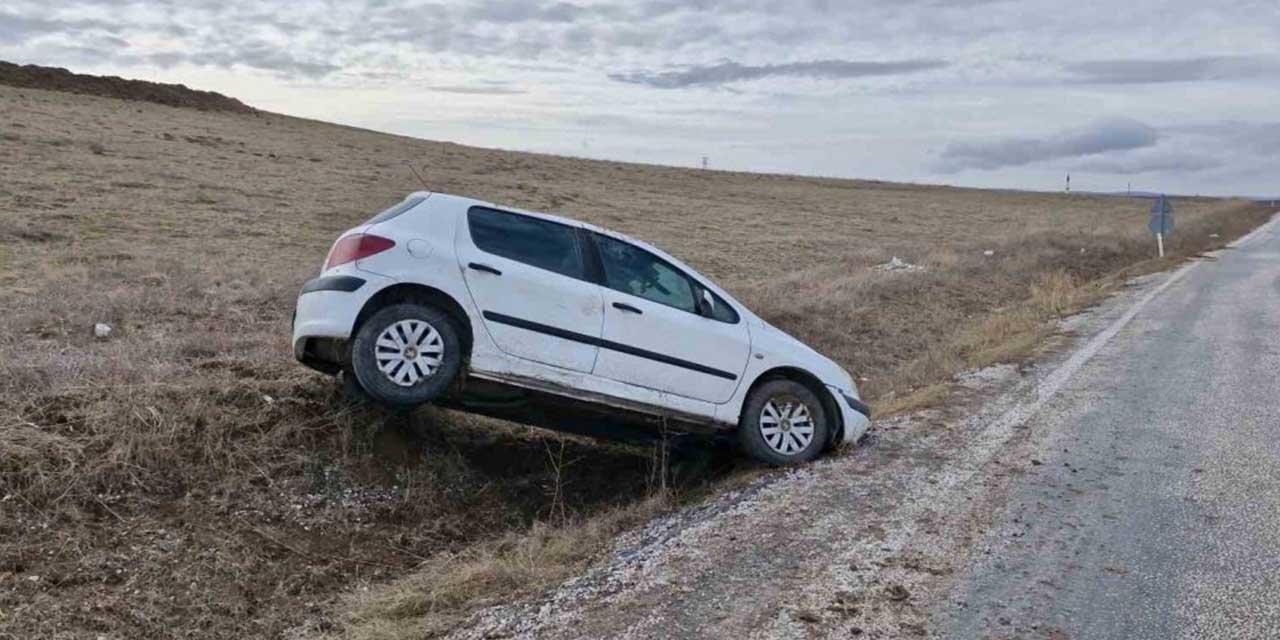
(560,324)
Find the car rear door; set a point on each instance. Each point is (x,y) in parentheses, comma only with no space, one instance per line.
(654,335)
(527,276)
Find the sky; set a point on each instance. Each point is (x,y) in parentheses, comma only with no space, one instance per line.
(1178,96)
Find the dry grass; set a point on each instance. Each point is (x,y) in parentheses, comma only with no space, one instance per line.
(903,331)
(445,589)
(185,477)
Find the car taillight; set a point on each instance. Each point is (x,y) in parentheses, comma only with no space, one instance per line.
(357,247)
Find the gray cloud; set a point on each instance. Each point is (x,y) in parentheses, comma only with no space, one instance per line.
(472,90)
(257,56)
(509,11)
(1260,138)
(276,59)
(727,72)
(1116,134)
(1151,163)
(589,67)
(15,28)
(1172,70)
(97,40)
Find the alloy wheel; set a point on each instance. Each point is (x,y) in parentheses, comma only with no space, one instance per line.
(408,351)
(786,424)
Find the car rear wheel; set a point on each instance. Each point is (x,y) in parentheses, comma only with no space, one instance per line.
(783,423)
(406,354)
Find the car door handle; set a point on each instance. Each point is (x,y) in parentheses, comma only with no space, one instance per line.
(485,268)
(626,307)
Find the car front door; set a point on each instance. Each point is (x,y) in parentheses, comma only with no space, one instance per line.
(527,276)
(656,333)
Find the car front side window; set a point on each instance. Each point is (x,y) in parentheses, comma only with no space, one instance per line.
(720,310)
(632,270)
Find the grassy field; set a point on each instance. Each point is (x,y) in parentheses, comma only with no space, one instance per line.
(186,477)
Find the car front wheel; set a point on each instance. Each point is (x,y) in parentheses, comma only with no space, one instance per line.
(406,354)
(783,423)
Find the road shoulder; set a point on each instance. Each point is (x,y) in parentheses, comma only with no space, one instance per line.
(868,542)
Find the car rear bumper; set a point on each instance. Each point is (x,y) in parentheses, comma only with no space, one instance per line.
(346,284)
(856,416)
(329,305)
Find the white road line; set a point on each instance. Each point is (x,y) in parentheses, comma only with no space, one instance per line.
(1051,384)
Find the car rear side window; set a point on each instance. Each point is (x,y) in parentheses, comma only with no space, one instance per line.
(396,210)
(630,269)
(533,241)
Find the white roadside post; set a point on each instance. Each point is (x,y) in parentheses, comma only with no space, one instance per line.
(1161,221)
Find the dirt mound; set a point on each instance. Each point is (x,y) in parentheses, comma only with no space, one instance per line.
(175,95)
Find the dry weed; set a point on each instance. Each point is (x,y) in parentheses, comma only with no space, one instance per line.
(186,477)
(443,591)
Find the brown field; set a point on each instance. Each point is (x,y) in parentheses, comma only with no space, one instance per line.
(186,478)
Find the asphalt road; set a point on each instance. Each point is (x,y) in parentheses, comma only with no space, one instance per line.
(1125,485)
(1151,506)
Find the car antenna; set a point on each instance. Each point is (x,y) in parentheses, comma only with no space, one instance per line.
(419,176)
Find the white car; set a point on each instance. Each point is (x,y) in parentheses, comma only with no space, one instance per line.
(560,324)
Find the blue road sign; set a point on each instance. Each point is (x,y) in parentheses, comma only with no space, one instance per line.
(1161,216)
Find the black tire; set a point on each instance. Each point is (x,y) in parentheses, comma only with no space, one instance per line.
(772,449)
(425,387)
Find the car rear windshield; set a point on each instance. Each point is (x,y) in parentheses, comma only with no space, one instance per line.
(397,210)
